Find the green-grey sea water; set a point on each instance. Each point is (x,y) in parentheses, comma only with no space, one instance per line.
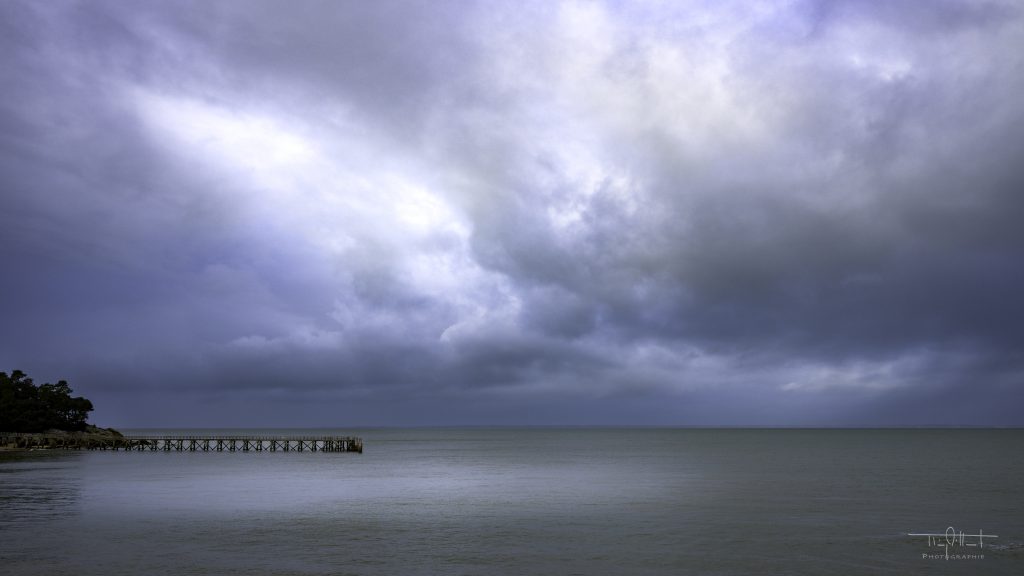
(527,501)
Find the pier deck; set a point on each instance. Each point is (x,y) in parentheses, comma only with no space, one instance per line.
(178,443)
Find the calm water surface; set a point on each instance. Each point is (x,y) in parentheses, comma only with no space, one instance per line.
(525,501)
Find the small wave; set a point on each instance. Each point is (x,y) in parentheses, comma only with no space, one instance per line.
(1007,546)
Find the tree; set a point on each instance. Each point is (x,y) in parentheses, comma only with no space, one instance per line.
(25,407)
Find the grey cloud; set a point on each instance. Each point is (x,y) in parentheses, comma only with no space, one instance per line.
(937,18)
(679,224)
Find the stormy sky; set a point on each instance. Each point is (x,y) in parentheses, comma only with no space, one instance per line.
(427,213)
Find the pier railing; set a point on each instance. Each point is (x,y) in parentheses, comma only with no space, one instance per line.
(183,443)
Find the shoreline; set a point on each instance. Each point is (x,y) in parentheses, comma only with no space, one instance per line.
(39,441)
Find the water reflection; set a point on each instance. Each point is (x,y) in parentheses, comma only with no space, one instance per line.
(521,501)
(38,487)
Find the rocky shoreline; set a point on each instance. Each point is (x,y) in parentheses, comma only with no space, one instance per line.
(12,442)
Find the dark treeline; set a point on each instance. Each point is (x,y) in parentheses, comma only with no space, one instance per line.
(25,407)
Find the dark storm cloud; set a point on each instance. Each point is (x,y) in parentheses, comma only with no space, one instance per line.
(582,212)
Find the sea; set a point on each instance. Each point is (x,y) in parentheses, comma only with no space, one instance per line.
(523,501)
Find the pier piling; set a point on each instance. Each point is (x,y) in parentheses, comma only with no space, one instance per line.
(177,443)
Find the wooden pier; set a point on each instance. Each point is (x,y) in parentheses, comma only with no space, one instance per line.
(175,443)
